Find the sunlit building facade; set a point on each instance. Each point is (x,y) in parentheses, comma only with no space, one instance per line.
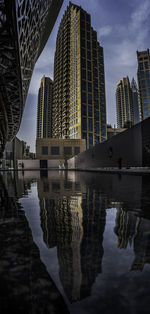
(79,108)
(45,98)
(144,82)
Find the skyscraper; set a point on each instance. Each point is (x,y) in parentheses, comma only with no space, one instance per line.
(44,119)
(25,27)
(124,106)
(135,101)
(79,109)
(144,82)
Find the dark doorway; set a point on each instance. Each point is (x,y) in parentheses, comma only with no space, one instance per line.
(43,163)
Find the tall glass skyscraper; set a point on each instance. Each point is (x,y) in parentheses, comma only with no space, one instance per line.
(144,82)
(44,119)
(124,104)
(79,107)
(135,102)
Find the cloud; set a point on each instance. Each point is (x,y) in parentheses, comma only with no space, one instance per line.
(104,31)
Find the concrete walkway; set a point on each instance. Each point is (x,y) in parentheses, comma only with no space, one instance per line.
(132,170)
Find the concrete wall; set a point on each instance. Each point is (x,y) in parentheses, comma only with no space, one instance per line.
(29,163)
(127,145)
(35,163)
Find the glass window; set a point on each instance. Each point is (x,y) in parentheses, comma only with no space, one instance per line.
(148,91)
(88,27)
(147,74)
(55,150)
(88,18)
(142,74)
(97,127)
(95,62)
(82,33)
(84,135)
(83,85)
(89,87)
(96,93)
(148,83)
(90,125)
(90,111)
(90,140)
(68,150)
(94,44)
(83,97)
(102,98)
(145,112)
(82,42)
(143,92)
(104,130)
(88,45)
(89,65)
(83,53)
(89,55)
(83,63)
(89,76)
(84,124)
(84,110)
(96,104)
(145,102)
(77,150)
(88,35)
(101,60)
(83,74)
(102,88)
(95,53)
(96,82)
(97,139)
(146,65)
(44,150)
(94,35)
(101,51)
(96,114)
(90,99)
(141,66)
(143,84)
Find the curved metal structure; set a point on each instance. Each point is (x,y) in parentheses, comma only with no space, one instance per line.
(25,26)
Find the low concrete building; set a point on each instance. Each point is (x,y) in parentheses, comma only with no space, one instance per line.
(60,150)
(130,148)
(113,131)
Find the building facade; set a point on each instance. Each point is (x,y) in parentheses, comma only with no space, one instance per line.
(25,27)
(143,73)
(44,112)
(124,104)
(79,108)
(58,149)
(135,102)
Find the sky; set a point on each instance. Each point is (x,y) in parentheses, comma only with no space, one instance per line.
(123,27)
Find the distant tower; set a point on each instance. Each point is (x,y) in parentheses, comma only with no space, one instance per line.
(79,108)
(124,104)
(144,82)
(44,119)
(135,101)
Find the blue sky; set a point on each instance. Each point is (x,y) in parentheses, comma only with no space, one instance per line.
(123,27)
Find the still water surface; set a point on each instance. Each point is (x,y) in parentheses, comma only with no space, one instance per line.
(93,234)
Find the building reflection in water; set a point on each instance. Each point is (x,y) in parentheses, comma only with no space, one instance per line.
(73,219)
(133,230)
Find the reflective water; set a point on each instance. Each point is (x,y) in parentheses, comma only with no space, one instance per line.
(93,234)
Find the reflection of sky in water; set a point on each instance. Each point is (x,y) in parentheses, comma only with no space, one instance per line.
(116,289)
